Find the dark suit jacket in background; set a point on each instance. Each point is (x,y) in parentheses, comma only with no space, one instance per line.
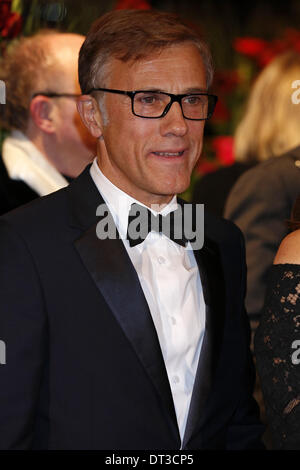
(260,204)
(13,193)
(84,368)
(212,189)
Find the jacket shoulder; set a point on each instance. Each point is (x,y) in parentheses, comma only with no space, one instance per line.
(280,165)
(220,229)
(41,212)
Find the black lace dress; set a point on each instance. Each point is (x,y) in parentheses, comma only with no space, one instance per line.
(277,350)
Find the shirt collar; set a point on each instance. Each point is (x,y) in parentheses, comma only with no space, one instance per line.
(118,201)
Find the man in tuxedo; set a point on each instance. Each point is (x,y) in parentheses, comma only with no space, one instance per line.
(48,143)
(113,342)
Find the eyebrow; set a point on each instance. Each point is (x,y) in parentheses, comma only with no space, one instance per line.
(186,91)
(196,90)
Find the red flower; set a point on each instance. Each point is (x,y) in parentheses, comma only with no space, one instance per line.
(292,39)
(4,12)
(267,55)
(132,4)
(13,26)
(251,47)
(10,22)
(223,146)
(264,52)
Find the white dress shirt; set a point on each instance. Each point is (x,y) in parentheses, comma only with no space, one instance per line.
(25,162)
(170,280)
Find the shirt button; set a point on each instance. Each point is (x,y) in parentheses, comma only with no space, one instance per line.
(161,260)
(173,321)
(175,379)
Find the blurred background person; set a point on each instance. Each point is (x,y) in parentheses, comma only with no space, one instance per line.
(47,145)
(261,201)
(212,189)
(277,342)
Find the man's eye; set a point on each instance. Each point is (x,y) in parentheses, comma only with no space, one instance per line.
(148,99)
(193,99)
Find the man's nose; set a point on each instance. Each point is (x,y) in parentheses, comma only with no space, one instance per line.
(173,122)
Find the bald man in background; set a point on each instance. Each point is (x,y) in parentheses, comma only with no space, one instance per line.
(47,145)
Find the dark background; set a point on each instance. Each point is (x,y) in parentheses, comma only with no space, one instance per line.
(222,24)
(221,21)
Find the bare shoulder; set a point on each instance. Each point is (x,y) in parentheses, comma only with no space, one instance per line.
(289,249)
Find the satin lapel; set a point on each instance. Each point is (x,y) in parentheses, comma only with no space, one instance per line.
(212,280)
(111,269)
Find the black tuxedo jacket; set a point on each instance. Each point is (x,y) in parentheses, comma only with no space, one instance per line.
(84,368)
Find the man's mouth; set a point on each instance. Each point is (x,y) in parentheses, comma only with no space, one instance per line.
(169,154)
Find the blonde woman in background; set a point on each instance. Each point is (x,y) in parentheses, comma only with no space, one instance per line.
(269,128)
(262,199)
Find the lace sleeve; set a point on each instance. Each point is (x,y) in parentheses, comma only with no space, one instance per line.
(277,341)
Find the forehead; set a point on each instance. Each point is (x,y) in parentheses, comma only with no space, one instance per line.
(174,69)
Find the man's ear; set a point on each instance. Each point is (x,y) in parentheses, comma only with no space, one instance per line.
(90,115)
(41,110)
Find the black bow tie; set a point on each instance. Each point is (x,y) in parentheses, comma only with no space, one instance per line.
(141,221)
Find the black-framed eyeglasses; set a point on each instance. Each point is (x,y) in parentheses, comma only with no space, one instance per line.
(155,104)
(55,95)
